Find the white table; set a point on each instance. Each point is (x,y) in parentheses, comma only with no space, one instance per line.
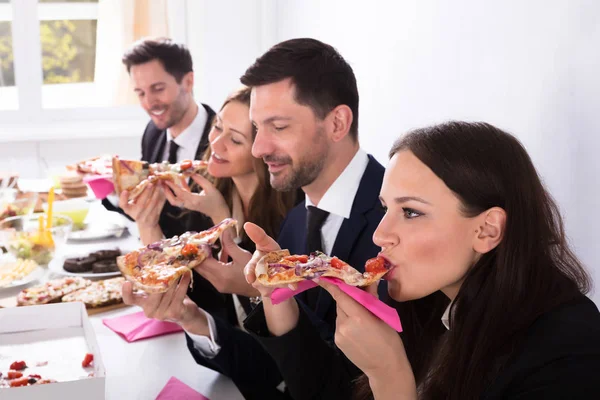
(139,370)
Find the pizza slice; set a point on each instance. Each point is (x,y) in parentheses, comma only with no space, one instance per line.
(127,174)
(51,291)
(279,268)
(176,173)
(158,266)
(100,165)
(98,294)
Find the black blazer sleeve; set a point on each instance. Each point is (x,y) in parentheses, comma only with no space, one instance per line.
(311,367)
(244,361)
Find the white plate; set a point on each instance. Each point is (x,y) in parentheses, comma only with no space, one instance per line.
(96,232)
(34,275)
(56,266)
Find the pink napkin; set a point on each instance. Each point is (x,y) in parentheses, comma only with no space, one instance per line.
(387,314)
(136,326)
(102,185)
(177,390)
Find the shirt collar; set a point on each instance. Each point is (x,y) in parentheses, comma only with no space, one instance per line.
(190,137)
(446,317)
(338,199)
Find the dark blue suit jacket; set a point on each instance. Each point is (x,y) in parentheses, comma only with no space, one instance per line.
(243,357)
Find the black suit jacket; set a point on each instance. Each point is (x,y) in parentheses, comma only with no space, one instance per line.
(246,359)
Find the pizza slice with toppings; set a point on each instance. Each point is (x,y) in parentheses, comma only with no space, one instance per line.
(158,266)
(51,291)
(135,176)
(100,165)
(280,268)
(99,293)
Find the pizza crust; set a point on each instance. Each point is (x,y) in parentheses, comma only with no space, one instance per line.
(347,273)
(157,262)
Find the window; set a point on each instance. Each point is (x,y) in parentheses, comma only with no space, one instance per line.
(60,61)
(8,91)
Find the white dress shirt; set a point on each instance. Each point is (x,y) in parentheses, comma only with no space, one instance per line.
(446,317)
(337,200)
(189,139)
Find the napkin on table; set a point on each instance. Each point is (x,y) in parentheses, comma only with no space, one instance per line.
(136,326)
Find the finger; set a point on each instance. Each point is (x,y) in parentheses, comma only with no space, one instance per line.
(249,269)
(341,315)
(144,202)
(209,268)
(124,200)
(236,253)
(182,288)
(172,298)
(157,200)
(204,183)
(162,309)
(128,296)
(177,190)
(152,304)
(263,241)
(171,198)
(344,301)
(372,289)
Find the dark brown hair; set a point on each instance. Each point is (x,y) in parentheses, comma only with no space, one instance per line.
(174,57)
(268,207)
(531,271)
(322,78)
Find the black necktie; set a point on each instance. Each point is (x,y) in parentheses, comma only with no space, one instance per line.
(315,217)
(173,152)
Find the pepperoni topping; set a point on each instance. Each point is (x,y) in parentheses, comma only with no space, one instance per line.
(87,360)
(19,382)
(189,250)
(185,164)
(376,265)
(18,365)
(14,374)
(296,258)
(337,263)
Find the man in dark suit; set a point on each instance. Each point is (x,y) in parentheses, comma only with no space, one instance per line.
(305,106)
(163,78)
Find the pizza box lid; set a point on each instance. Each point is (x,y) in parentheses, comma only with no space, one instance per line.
(60,334)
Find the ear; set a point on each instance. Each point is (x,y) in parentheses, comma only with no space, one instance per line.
(489,230)
(188,82)
(341,120)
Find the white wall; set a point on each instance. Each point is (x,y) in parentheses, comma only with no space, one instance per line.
(530,67)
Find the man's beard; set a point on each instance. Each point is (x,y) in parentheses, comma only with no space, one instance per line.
(308,168)
(177,108)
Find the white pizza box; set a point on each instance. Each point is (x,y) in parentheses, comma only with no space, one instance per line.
(60,334)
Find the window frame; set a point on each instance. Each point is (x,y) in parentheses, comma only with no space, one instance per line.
(31,122)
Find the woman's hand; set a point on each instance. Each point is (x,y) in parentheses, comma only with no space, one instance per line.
(173,306)
(208,202)
(373,346)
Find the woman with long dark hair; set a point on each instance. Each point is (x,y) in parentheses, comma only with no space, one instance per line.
(491,296)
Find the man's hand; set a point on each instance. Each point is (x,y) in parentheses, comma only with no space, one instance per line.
(264,244)
(145,211)
(172,305)
(228,277)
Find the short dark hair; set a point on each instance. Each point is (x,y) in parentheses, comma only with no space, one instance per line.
(174,57)
(322,78)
